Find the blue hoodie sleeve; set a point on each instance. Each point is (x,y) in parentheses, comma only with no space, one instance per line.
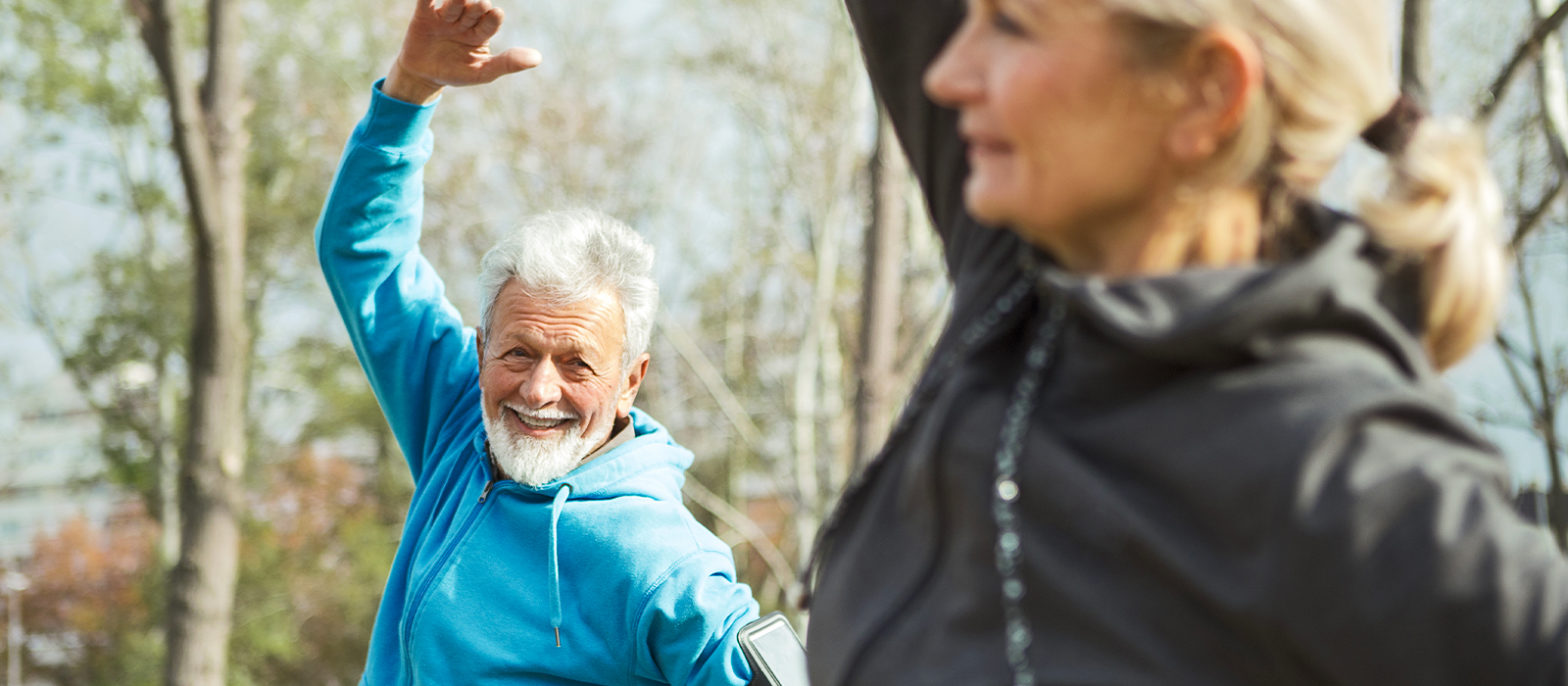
(409,338)
(686,632)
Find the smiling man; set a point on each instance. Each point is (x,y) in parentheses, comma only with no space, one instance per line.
(546,542)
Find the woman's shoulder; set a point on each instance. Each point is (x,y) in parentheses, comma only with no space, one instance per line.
(1352,427)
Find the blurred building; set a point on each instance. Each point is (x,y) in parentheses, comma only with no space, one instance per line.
(51,466)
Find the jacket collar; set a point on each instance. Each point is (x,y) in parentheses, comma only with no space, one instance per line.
(1347,285)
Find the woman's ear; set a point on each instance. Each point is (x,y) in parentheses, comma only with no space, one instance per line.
(1219,74)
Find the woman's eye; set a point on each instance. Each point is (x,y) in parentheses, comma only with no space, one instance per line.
(1004,23)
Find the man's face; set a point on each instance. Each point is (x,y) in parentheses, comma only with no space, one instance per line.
(551,381)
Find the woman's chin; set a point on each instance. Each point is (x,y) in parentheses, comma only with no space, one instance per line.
(985,204)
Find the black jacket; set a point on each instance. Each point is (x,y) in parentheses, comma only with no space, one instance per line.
(1239,476)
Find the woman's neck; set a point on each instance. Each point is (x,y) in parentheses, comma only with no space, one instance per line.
(1220,228)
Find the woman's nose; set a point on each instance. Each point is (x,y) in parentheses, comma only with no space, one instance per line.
(953,78)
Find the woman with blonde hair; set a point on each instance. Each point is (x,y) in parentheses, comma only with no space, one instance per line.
(1185,425)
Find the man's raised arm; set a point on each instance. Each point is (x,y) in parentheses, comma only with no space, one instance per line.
(409,338)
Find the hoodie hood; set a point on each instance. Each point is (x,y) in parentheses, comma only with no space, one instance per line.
(1347,286)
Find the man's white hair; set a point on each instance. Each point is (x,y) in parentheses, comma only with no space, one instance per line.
(568,256)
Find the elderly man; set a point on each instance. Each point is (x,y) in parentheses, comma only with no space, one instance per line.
(546,542)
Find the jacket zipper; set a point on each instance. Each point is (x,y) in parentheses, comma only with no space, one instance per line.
(418,598)
(494,479)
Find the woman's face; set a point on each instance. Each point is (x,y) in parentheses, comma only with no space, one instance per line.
(1066,136)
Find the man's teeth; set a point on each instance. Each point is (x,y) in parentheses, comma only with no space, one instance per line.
(540,422)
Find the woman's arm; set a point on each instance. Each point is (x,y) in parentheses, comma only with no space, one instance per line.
(1405,562)
(899,39)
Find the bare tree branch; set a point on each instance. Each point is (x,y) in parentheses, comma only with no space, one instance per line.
(778,565)
(1531,219)
(1493,94)
(1548,398)
(1513,359)
(713,382)
(1505,420)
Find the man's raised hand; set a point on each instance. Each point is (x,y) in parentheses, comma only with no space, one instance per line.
(448,44)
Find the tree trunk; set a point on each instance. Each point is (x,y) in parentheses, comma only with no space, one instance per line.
(168,473)
(1553,91)
(808,386)
(1415,58)
(210,142)
(884,254)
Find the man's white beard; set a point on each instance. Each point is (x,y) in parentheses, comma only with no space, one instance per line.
(538,461)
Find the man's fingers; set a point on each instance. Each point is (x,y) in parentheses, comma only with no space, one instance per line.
(452,10)
(511,61)
(490,22)
(474,12)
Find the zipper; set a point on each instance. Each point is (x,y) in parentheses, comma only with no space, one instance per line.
(495,476)
(417,600)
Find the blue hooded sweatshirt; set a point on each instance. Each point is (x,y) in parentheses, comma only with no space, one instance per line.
(599,577)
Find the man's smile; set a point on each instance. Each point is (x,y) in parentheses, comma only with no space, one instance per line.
(538,424)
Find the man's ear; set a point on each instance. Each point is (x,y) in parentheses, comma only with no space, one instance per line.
(479,344)
(1220,75)
(634,375)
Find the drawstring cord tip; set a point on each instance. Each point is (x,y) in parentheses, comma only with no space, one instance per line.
(557,637)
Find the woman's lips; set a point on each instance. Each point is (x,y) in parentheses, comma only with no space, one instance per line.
(981,145)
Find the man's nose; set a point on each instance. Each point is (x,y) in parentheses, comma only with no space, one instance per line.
(542,386)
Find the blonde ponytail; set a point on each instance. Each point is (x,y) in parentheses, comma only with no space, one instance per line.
(1439,204)
(1326,75)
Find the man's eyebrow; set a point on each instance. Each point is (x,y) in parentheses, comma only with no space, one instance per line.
(574,345)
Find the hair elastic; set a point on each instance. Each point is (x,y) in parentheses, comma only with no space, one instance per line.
(1393,131)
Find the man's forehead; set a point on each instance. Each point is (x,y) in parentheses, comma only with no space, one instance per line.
(581,322)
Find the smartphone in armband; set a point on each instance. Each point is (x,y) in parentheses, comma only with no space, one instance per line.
(774,651)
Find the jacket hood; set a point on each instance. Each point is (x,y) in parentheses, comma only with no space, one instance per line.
(1346,286)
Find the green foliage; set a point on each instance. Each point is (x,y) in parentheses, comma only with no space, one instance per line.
(94,595)
(86,73)
(303,104)
(313,565)
(83,58)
